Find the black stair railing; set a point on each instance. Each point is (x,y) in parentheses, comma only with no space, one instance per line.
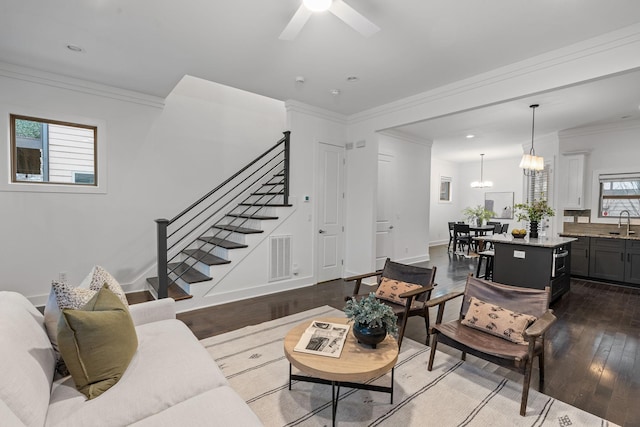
(269,170)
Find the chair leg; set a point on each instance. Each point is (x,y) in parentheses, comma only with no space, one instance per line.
(541,370)
(426,324)
(432,355)
(480,266)
(525,387)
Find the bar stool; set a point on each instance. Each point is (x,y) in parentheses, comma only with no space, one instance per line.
(488,256)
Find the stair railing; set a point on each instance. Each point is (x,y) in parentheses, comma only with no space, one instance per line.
(208,211)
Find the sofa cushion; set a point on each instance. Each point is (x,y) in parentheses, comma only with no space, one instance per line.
(206,409)
(63,295)
(169,367)
(97,342)
(497,320)
(27,359)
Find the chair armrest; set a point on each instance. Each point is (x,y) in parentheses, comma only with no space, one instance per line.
(440,302)
(358,279)
(444,298)
(153,311)
(540,326)
(416,292)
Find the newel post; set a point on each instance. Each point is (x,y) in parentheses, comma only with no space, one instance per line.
(287,138)
(163,277)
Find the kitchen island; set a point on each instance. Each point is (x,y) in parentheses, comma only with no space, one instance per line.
(532,263)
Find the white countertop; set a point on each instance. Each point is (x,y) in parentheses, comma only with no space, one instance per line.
(546,242)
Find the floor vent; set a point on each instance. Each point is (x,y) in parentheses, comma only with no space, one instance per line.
(280,258)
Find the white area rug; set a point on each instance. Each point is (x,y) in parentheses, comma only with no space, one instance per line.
(453,394)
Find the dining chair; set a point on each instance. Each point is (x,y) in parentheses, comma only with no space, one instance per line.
(451,224)
(461,237)
(505,228)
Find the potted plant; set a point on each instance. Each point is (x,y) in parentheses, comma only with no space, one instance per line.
(478,213)
(534,212)
(372,319)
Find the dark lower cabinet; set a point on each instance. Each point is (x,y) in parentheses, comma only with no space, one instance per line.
(607,260)
(632,262)
(580,257)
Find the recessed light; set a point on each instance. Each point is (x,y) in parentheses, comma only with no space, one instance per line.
(300,79)
(469,136)
(317,5)
(335,92)
(75,48)
(353,78)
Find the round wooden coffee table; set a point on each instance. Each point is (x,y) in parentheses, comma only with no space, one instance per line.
(357,364)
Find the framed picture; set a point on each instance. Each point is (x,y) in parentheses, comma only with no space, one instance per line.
(445,189)
(500,203)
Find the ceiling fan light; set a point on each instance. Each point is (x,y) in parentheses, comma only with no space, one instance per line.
(317,5)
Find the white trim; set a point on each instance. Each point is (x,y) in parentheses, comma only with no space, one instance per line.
(300,107)
(49,79)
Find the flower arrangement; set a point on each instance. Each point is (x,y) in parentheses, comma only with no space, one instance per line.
(535,211)
(373,313)
(479,213)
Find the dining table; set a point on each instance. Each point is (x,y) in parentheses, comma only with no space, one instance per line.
(480,230)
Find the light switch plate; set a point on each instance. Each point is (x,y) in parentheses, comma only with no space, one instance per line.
(519,254)
(583,220)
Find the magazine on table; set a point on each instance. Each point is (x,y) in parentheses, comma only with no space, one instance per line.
(323,338)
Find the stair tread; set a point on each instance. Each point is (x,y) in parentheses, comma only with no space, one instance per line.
(238,229)
(205,257)
(227,244)
(174,291)
(268,193)
(188,273)
(266,204)
(251,216)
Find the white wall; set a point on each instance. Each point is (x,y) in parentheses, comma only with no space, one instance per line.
(440,213)
(411,195)
(159,160)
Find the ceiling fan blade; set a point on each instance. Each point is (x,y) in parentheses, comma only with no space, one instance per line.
(354,19)
(294,26)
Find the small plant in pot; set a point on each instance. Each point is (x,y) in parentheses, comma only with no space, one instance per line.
(478,214)
(372,319)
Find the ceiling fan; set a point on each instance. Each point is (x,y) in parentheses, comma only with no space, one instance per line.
(338,7)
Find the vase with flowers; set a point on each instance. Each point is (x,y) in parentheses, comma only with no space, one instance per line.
(534,212)
(478,214)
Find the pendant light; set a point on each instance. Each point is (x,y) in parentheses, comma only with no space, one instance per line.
(482,183)
(531,163)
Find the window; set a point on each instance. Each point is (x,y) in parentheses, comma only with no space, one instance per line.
(538,185)
(48,151)
(619,192)
(445,189)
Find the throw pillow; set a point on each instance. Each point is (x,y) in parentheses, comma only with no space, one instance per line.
(97,342)
(64,296)
(390,290)
(497,320)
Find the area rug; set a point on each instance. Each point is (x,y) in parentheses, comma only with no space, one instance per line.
(453,394)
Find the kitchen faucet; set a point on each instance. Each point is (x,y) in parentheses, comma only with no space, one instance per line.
(628,220)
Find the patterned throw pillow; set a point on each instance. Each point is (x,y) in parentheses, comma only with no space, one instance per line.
(497,320)
(390,290)
(66,296)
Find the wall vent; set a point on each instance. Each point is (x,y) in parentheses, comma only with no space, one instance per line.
(280,258)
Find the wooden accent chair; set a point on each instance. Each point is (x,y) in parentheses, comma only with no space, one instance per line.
(518,357)
(416,300)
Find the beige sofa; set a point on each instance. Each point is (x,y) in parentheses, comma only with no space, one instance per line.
(171,380)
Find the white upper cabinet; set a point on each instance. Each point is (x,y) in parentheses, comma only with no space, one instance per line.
(573,181)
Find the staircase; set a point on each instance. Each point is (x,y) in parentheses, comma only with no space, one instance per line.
(193,243)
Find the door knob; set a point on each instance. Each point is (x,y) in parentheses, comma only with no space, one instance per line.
(321,231)
(391,227)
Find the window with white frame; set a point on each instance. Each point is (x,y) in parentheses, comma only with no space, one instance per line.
(445,189)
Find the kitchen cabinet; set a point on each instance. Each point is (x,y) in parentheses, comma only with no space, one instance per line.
(607,259)
(632,262)
(580,257)
(573,181)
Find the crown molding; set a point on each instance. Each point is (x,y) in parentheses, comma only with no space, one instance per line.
(621,125)
(406,137)
(300,107)
(77,85)
(544,62)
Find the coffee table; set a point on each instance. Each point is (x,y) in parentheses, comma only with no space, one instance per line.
(357,364)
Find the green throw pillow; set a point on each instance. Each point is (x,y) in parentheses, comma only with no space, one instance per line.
(97,342)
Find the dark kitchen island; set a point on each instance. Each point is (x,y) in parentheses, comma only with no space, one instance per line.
(532,263)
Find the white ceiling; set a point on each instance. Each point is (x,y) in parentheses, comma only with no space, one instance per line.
(149,45)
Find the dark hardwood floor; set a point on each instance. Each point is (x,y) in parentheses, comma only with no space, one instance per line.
(592,359)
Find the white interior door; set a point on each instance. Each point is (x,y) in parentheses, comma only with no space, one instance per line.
(384,211)
(330,246)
